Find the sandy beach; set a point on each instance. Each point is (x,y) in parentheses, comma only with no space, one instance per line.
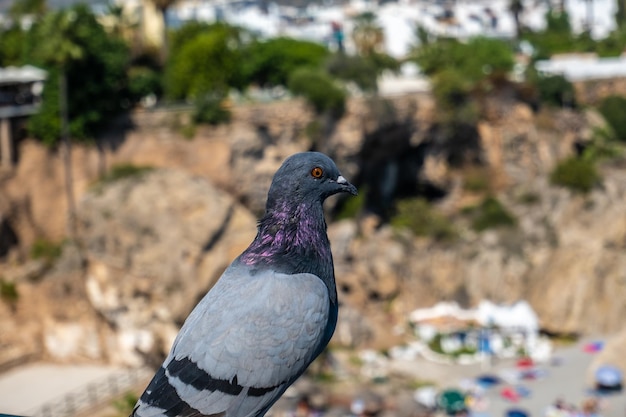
(569,380)
(566,377)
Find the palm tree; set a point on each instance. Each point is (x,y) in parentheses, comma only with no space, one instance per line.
(162,6)
(517,7)
(27,7)
(620,14)
(123,26)
(58,51)
(367,35)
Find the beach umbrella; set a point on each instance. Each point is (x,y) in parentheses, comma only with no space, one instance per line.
(451,401)
(427,396)
(522,391)
(525,362)
(593,347)
(516,412)
(532,374)
(608,377)
(510,394)
(488,380)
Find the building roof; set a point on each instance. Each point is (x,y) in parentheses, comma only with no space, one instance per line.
(584,67)
(25,74)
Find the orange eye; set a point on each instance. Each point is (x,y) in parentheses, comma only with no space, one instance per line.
(317,172)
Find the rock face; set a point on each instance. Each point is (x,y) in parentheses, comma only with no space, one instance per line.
(567,257)
(153,244)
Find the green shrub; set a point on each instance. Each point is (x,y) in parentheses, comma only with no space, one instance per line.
(613,109)
(577,174)
(46,250)
(143,81)
(529,198)
(355,68)
(451,88)
(8,291)
(210,109)
(124,406)
(491,214)
(603,145)
(476,60)
(121,171)
(422,219)
(476,180)
(319,90)
(435,346)
(361,70)
(555,90)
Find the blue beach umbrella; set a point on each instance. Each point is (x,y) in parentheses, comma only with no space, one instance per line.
(488,380)
(608,377)
(516,412)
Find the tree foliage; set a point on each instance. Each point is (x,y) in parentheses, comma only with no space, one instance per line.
(27,7)
(354,68)
(13,48)
(459,69)
(204,58)
(95,64)
(368,35)
(577,174)
(476,60)
(612,109)
(362,70)
(271,62)
(320,91)
(555,90)
(558,37)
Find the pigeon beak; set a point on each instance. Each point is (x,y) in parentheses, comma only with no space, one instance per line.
(346,187)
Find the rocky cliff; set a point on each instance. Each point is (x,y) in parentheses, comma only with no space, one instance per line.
(153,243)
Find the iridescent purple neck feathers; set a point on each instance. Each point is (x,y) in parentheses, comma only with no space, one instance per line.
(291,237)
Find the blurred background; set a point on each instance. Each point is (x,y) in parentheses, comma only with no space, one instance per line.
(481,270)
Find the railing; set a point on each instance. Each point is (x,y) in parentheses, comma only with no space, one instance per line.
(93,394)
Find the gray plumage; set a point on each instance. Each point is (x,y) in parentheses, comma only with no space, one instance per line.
(270,314)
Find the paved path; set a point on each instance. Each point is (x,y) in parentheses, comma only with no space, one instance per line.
(25,390)
(28,387)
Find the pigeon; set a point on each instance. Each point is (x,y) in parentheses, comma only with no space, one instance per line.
(270,314)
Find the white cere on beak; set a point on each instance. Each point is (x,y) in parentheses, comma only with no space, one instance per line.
(341,180)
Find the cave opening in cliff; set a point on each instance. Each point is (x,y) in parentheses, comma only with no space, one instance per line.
(8,238)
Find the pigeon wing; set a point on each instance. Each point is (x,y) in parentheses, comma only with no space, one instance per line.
(248,339)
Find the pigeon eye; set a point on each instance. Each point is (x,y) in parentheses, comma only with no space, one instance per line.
(317,172)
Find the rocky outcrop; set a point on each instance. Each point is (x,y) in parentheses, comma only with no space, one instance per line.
(153,244)
(566,257)
(150,247)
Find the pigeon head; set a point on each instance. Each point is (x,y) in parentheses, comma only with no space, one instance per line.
(307,177)
(291,236)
